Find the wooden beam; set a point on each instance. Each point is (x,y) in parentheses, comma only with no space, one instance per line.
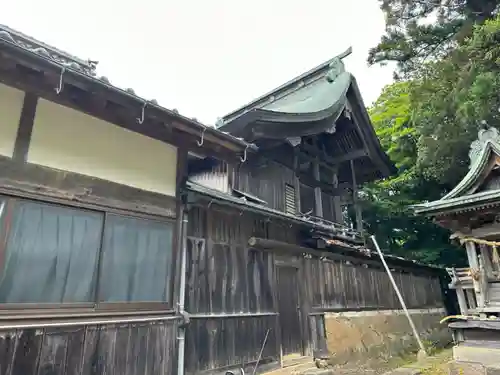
(489,230)
(337,205)
(25,128)
(279,247)
(332,161)
(296,181)
(327,188)
(38,182)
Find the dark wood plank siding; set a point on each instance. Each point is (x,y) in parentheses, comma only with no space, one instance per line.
(307,199)
(135,349)
(227,278)
(217,178)
(266,182)
(328,207)
(232,290)
(344,286)
(289,310)
(216,343)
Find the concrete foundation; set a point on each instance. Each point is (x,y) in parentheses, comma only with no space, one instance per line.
(387,333)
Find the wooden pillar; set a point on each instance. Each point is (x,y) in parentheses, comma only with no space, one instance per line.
(318,208)
(337,207)
(357,207)
(474,266)
(462,303)
(486,259)
(296,181)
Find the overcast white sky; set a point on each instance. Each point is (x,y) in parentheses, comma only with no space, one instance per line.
(207,57)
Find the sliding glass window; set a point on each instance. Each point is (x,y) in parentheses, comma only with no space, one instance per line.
(51,254)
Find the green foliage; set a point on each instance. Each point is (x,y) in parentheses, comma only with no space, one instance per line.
(391,114)
(427,122)
(450,99)
(427,30)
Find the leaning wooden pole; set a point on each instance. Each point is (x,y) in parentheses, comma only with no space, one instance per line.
(422,352)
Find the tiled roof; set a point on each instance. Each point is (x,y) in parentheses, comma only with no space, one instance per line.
(49,52)
(87,68)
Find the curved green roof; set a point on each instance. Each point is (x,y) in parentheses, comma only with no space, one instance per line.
(465,193)
(309,104)
(316,96)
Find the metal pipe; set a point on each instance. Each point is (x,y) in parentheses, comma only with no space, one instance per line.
(85,322)
(261,351)
(182,291)
(400,297)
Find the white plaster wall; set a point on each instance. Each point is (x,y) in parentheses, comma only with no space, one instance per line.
(11,105)
(69,140)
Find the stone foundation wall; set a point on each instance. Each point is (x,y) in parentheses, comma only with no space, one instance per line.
(384,333)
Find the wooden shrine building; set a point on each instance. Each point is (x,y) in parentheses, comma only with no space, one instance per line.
(134,240)
(276,263)
(472,212)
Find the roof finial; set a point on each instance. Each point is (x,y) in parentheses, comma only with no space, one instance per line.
(346,53)
(486,134)
(337,66)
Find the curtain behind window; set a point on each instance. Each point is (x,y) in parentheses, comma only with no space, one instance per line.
(50,253)
(136,260)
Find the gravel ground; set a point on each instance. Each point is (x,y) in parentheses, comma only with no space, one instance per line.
(432,366)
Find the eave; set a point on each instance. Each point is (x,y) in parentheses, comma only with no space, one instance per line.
(304,120)
(41,74)
(310,105)
(471,202)
(286,88)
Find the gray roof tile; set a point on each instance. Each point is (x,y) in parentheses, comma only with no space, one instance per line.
(88,68)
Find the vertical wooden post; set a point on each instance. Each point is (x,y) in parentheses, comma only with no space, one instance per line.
(296,181)
(486,260)
(474,265)
(337,207)
(462,303)
(318,210)
(357,208)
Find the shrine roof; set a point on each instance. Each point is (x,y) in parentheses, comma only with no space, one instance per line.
(476,189)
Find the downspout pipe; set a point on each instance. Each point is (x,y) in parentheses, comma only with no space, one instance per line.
(181,336)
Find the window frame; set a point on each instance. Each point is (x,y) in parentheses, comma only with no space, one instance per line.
(95,308)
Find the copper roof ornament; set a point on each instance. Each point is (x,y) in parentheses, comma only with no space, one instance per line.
(485,134)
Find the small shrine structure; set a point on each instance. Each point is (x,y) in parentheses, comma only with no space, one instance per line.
(472,212)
